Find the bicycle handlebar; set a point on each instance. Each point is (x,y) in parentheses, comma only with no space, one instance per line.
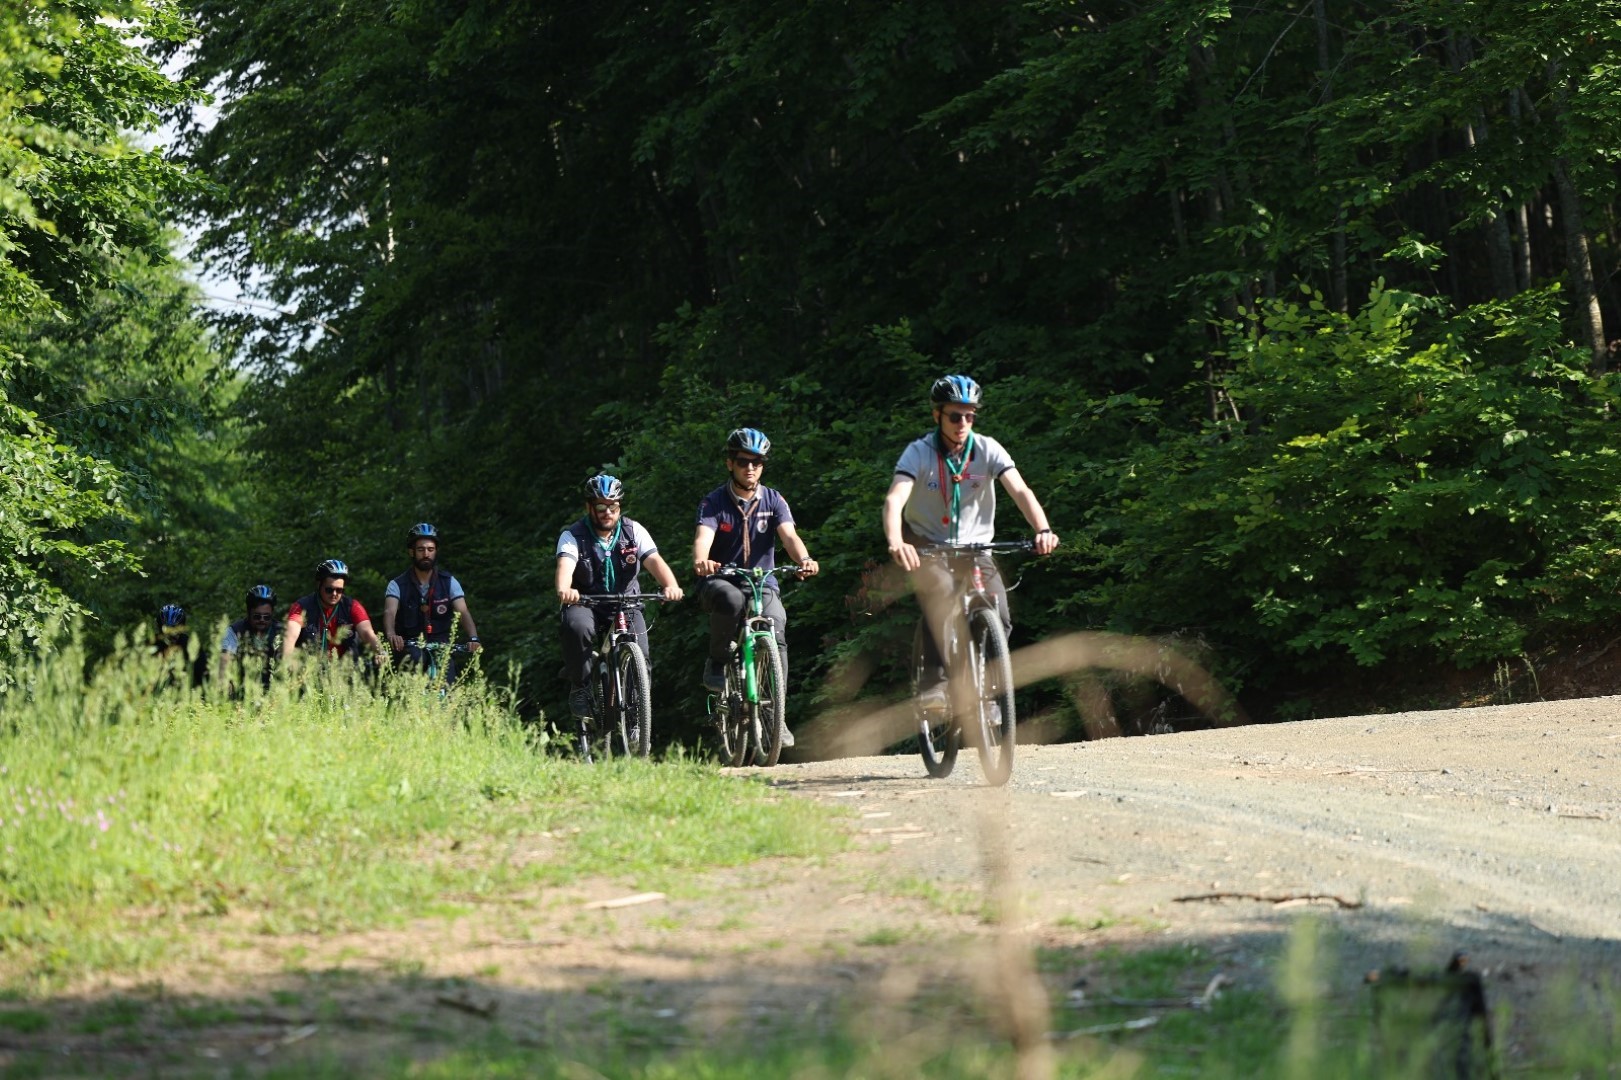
(940,551)
(757,573)
(440,646)
(621,600)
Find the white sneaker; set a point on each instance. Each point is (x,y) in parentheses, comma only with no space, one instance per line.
(932,699)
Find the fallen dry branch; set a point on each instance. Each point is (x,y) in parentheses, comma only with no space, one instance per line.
(487,1010)
(1106,1029)
(1296,898)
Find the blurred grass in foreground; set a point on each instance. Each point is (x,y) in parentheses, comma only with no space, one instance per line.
(129,809)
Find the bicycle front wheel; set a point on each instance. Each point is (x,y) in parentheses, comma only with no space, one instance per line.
(769,714)
(994,727)
(632,728)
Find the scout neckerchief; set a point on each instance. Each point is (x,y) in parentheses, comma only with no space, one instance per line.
(953,469)
(329,623)
(606,546)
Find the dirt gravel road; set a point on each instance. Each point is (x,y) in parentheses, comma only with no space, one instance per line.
(1496,831)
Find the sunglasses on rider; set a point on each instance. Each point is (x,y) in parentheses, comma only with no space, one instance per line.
(605,508)
(331,590)
(959,417)
(750,462)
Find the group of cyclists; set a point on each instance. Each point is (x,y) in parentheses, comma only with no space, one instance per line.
(943,492)
(423,609)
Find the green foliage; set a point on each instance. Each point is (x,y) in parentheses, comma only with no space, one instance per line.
(507,245)
(1389,483)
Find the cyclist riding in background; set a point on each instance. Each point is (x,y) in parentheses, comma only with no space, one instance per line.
(942,493)
(422,604)
(602,553)
(327,619)
(252,641)
(739,524)
(171,646)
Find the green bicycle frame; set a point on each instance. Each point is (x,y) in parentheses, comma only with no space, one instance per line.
(751,683)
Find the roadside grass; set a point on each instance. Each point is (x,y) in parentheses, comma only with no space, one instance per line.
(131,813)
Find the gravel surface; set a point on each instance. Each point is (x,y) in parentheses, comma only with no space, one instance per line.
(1495,831)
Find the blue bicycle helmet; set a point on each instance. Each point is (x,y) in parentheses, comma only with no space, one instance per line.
(955,390)
(603,486)
(422,531)
(332,568)
(171,615)
(261,594)
(748,440)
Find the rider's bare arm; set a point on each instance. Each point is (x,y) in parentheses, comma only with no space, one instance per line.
(566,592)
(702,564)
(391,608)
(459,606)
(289,639)
(663,575)
(904,554)
(1030,507)
(794,544)
(367,636)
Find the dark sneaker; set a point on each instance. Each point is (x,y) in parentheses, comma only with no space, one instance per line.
(714,676)
(579,703)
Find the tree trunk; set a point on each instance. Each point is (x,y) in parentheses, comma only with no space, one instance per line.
(1579,263)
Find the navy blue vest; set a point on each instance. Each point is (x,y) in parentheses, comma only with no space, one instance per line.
(429,619)
(343,621)
(590,572)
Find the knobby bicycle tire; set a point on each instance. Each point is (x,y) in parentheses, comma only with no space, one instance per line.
(771,710)
(733,716)
(604,704)
(994,730)
(633,719)
(938,739)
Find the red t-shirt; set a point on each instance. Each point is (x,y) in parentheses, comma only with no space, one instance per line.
(334,646)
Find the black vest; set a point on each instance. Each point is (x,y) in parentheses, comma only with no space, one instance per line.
(426,617)
(263,648)
(590,572)
(343,622)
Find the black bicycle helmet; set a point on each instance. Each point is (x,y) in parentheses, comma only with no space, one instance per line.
(422,531)
(748,440)
(955,390)
(331,568)
(261,594)
(603,486)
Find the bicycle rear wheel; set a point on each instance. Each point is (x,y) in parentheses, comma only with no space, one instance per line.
(938,738)
(770,712)
(994,725)
(632,725)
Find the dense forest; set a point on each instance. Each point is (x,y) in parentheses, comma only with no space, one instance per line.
(1296,316)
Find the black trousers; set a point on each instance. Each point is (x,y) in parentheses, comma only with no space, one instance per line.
(580,627)
(726,604)
(935,582)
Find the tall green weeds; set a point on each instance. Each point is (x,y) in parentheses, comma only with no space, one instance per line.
(130,809)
